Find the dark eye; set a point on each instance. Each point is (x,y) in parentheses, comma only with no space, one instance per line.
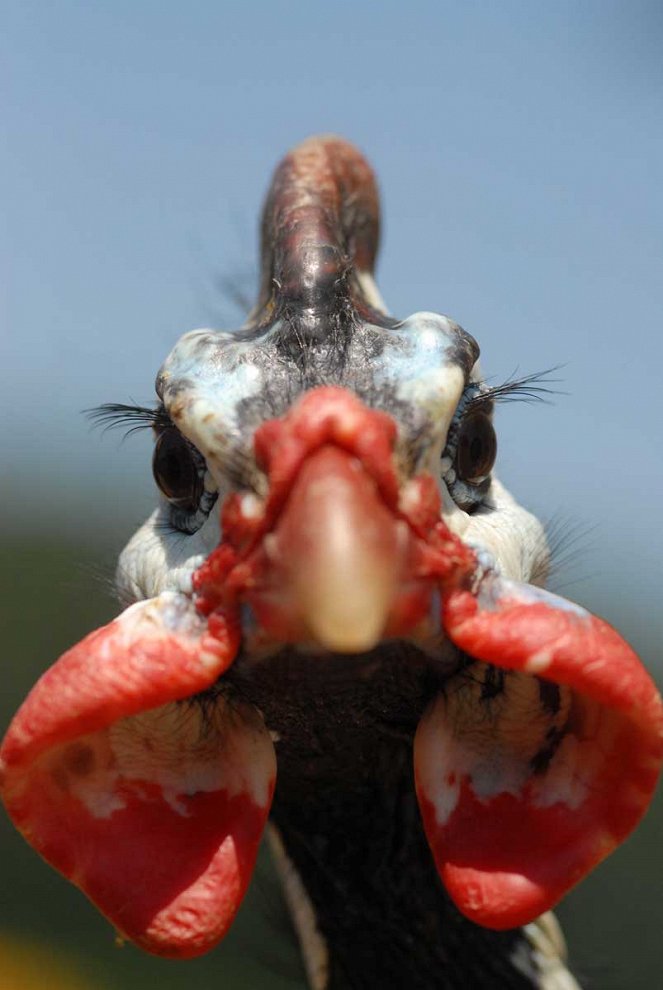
(476,449)
(176,472)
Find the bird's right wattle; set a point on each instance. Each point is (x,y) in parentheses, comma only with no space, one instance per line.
(152,807)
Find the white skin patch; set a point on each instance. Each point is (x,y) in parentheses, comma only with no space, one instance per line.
(204,380)
(170,612)
(539,662)
(493,738)
(576,766)
(158,559)
(185,753)
(533,596)
(209,410)
(252,506)
(423,374)
(437,756)
(175,748)
(512,535)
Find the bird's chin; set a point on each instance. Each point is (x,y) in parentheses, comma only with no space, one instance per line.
(424,633)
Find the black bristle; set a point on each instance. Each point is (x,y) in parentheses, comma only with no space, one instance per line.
(528,388)
(113,414)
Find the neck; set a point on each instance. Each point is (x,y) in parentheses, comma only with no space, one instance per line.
(347,815)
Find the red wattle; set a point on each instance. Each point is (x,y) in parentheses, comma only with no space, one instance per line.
(539,758)
(153,808)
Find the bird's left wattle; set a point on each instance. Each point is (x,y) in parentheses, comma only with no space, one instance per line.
(151,806)
(539,757)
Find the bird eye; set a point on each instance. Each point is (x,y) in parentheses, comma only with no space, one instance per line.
(175,470)
(476,449)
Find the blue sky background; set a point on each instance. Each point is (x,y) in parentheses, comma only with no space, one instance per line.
(520,152)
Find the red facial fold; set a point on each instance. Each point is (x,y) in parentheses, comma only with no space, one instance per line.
(153,808)
(538,758)
(340,554)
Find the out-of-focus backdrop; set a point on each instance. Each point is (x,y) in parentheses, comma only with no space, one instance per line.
(520,151)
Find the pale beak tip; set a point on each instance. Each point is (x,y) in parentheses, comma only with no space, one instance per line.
(338,639)
(346,608)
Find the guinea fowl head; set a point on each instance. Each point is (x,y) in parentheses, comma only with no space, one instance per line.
(334,582)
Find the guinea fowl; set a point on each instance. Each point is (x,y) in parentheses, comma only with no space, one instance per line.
(336,583)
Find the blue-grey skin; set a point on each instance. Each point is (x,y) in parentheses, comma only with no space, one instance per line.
(217,387)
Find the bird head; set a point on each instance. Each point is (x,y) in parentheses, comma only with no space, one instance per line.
(327,487)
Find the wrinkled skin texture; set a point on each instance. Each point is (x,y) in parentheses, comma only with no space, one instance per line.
(336,585)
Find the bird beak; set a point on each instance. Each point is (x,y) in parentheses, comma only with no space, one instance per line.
(334,562)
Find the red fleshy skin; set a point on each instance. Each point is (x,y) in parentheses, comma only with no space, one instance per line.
(330,468)
(527,782)
(153,809)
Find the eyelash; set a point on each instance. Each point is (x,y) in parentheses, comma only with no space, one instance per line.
(115,414)
(479,397)
(529,388)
